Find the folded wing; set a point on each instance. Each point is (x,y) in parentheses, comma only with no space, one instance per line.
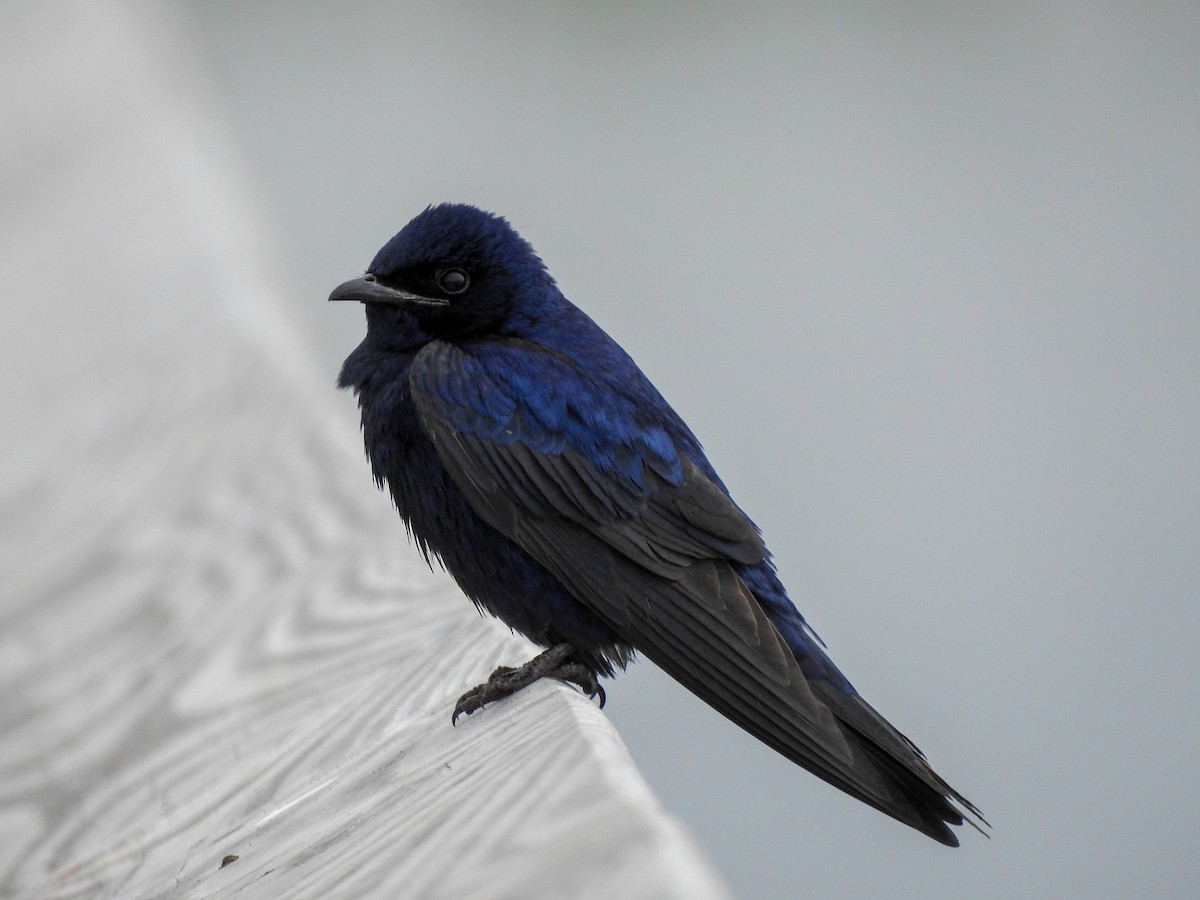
(567,469)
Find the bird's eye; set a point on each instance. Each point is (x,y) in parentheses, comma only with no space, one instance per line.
(452,281)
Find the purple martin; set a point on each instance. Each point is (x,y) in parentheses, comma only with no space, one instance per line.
(527,452)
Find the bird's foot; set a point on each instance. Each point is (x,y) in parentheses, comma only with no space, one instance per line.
(506,680)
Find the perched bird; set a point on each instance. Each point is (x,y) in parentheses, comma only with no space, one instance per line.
(525,450)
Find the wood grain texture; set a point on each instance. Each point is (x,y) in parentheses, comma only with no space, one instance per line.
(215,643)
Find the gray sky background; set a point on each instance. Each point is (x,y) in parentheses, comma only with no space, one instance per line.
(925,279)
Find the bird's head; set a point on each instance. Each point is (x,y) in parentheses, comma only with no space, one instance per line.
(457,269)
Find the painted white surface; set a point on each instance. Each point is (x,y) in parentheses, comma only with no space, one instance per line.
(213,641)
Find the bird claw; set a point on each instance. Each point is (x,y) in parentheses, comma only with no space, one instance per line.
(506,680)
(472,700)
(583,678)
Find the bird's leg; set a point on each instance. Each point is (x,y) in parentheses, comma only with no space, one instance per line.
(505,680)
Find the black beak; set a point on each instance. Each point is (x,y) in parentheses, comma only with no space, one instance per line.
(368,290)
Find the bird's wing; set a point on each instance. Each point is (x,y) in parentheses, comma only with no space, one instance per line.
(569,470)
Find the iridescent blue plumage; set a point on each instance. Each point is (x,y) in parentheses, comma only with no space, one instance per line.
(526,450)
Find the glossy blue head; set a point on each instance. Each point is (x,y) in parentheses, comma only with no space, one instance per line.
(458,270)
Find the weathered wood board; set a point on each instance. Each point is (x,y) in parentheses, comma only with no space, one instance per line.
(214,639)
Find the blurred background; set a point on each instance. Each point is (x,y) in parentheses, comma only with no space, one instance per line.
(925,280)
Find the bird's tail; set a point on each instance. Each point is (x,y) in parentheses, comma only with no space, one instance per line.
(892,773)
